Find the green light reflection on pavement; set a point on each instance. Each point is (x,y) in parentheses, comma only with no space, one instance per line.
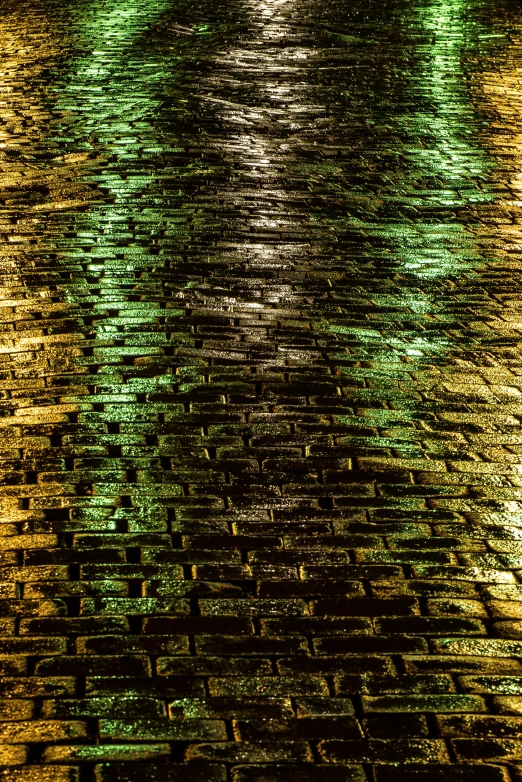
(448,155)
(114,114)
(110,98)
(114,94)
(445,170)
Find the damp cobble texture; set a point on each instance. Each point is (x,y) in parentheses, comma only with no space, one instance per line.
(261,391)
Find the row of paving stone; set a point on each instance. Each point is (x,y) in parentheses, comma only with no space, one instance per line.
(261,389)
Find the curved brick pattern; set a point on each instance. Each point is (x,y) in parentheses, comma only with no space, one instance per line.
(261,447)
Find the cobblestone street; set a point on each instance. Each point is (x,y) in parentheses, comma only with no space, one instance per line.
(261,391)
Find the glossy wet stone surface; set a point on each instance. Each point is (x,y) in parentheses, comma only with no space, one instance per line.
(261,380)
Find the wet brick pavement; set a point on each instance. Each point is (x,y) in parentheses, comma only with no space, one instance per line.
(261,380)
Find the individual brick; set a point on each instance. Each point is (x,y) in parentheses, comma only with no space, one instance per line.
(505,609)
(491,685)
(143,685)
(93,708)
(439,773)
(94,665)
(260,752)
(384,751)
(482,575)
(137,606)
(199,625)
(34,646)
(479,726)
(306,773)
(388,726)
(174,772)
(462,664)
(323,707)
(131,645)
(399,684)
(82,753)
(400,606)
(354,663)
(509,704)
(212,666)
(423,703)
(511,629)
(39,731)
(314,625)
(13,665)
(226,707)
(41,774)
(14,755)
(270,686)
(253,608)
(68,626)
(16,709)
(338,573)
(374,645)
(489,750)
(236,646)
(162,730)
(37,687)
(309,588)
(464,608)
(492,647)
(430,625)
(429,588)
(305,728)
